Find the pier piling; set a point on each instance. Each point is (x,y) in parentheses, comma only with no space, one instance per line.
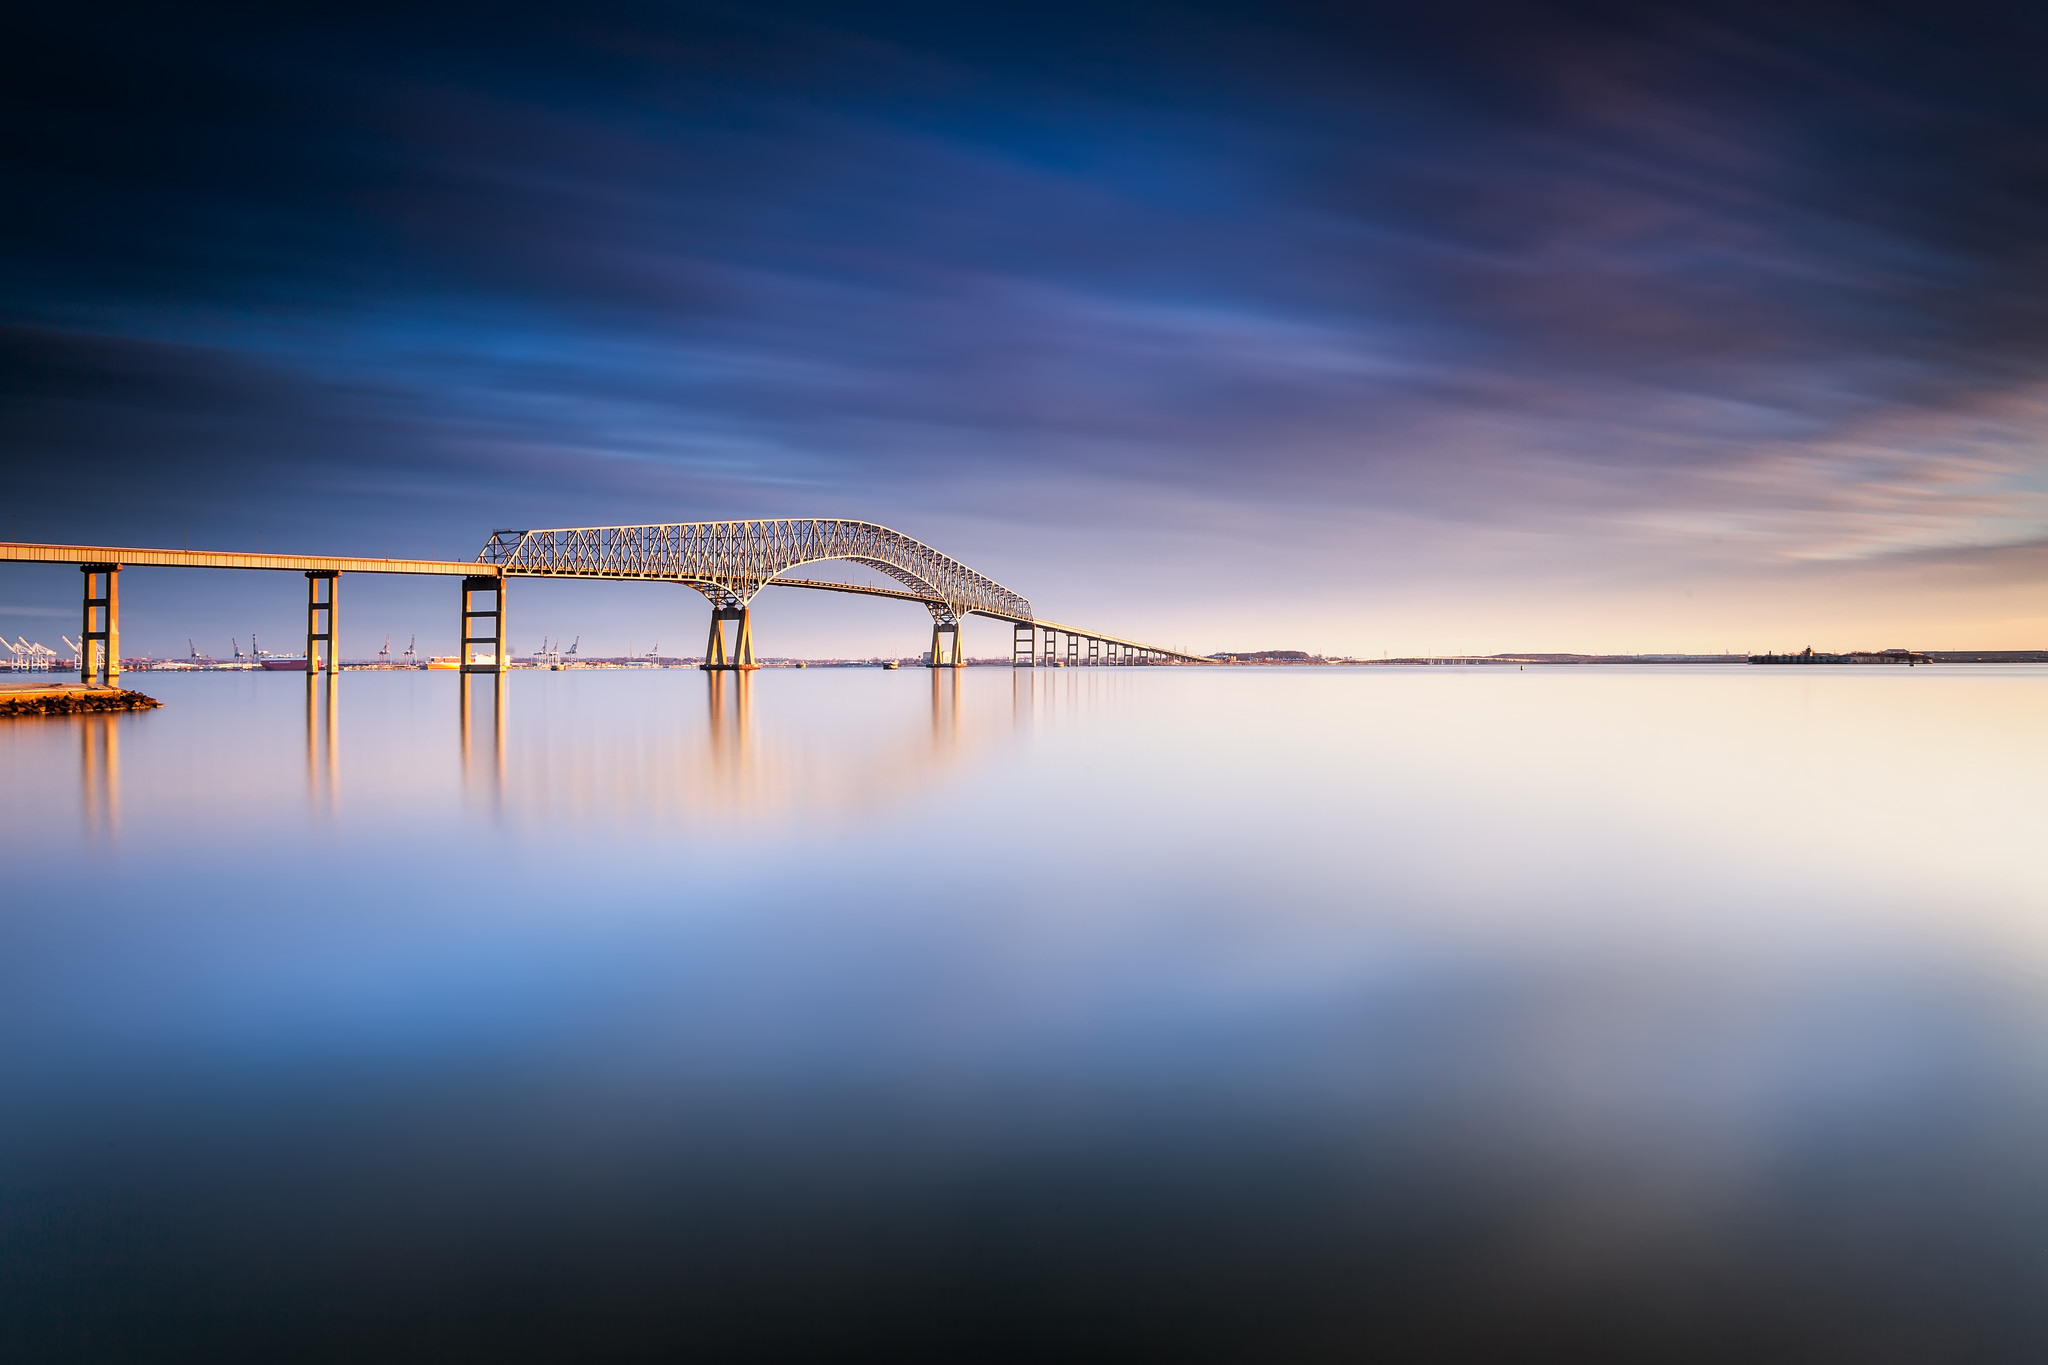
(494,585)
(99,640)
(321,632)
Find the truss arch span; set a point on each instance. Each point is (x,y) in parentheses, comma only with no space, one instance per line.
(730,561)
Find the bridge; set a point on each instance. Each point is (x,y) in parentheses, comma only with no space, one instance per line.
(729,562)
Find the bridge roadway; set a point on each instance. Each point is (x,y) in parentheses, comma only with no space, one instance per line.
(1049,627)
(728,562)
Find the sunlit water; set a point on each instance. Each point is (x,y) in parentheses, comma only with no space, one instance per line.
(1256,1014)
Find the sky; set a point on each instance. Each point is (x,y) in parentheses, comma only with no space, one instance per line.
(1349,328)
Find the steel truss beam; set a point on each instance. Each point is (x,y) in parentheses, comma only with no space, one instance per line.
(730,561)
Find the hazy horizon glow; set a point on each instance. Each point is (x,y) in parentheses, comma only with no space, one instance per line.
(1353,330)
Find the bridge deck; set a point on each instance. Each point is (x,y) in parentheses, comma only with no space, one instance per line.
(23,552)
(132,556)
(903,596)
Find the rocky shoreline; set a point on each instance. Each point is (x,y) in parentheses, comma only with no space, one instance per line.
(75,702)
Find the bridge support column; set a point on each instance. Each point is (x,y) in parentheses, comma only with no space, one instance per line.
(99,639)
(740,659)
(320,633)
(1052,647)
(495,586)
(1073,650)
(1023,644)
(942,657)
(1094,650)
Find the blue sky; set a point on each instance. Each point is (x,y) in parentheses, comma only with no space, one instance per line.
(1342,328)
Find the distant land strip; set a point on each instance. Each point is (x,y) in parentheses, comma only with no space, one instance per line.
(1952,656)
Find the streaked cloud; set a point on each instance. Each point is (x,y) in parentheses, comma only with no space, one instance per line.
(1484,294)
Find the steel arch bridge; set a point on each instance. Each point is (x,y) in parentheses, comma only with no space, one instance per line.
(731,561)
(727,561)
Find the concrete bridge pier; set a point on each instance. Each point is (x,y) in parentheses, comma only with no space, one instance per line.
(494,585)
(321,632)
(1023,646)
(740,658)
(99,639)
(946,653)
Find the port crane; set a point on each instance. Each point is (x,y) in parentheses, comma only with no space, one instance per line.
(384,654)
(412,655)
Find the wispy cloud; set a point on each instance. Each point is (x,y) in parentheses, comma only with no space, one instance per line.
(1698,291)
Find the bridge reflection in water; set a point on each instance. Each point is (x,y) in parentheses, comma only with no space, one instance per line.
(468,687)
(753,747)
(323,741)
(99,771)
(727,718)
(658,748)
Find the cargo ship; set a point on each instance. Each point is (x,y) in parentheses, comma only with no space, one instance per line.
(445,661)
(277,663)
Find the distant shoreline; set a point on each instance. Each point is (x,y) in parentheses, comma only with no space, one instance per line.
(1262,659)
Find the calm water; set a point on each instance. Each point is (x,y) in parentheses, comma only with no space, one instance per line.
(1241,1014)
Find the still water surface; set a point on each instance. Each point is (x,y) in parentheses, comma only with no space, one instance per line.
(1246,1014)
